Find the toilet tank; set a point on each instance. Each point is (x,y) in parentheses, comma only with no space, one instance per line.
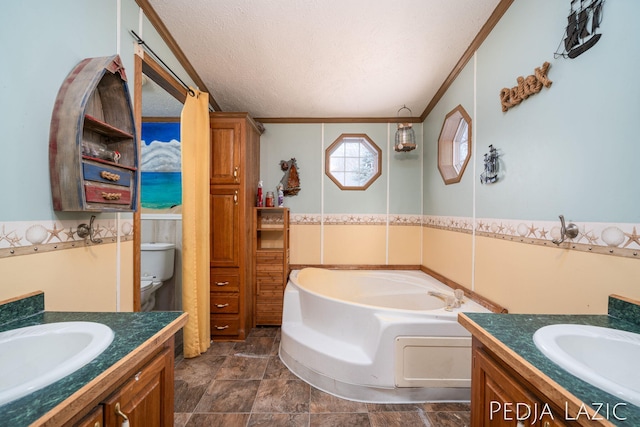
(157,259)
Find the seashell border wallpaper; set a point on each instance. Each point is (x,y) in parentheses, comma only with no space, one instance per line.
(618,239)
(597,237)
(23,238)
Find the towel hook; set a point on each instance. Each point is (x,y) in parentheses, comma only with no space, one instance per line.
(85,231)
(570,231)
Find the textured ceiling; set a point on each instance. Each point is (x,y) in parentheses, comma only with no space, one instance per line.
(323,58)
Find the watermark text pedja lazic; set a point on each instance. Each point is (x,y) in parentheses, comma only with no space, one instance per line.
(522,411)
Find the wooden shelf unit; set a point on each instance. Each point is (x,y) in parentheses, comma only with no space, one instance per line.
(271,258)
(93,150)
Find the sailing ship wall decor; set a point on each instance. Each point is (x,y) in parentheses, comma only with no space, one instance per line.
(290,182)
(581,33)
(491,167)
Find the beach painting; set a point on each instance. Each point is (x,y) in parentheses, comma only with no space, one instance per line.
(161,177)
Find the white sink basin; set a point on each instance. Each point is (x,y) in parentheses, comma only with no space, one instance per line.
(605,358)
(33,357)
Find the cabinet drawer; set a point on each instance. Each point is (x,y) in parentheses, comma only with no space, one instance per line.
(96,193)
(270,276)
(224,282)
(225,325)
(268,313)
(270,288)
(269,304)
(224,303)
(269,256)
(105,174)
(269,269)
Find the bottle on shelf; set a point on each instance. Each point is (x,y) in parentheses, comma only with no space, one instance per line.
(280,196)
(259,200)
(269,199)
(100,152)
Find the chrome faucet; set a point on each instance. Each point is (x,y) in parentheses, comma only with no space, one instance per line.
(453,301)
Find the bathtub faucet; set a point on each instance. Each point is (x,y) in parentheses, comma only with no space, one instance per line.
(453,301)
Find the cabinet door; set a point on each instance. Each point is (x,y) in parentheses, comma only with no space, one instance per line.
(226,138)
(147,398)
(93,419)
(497,400)
(225,227)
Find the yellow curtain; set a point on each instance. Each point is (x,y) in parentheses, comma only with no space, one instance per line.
(194,133)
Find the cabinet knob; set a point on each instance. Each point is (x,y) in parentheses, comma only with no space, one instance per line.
(235,173)
(235,197)
(222,305)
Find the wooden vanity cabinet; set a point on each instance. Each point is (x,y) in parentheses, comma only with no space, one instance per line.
(144,395)
(146,398)
(502,398)
(234,169)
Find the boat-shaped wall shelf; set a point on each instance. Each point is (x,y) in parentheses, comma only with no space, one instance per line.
(93,150)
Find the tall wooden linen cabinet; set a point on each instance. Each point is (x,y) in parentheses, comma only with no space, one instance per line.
(235,164)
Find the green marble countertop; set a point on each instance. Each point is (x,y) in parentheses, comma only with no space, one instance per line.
(131,330)
(515,331)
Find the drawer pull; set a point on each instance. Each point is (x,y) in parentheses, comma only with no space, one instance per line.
(222,283)
(222,305)
(109,176)
(125,419)
(221,328)
(111,196)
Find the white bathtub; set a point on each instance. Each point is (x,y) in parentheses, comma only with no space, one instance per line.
(376,336)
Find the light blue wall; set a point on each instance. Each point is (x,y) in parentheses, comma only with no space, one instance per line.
(304,143)
(452,199)
(371,201)
(40,43)
(405,175)
(396,191)
(571,149)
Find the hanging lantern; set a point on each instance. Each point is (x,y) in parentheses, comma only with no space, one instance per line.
(405,136)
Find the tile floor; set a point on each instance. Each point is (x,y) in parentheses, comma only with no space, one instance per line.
(245,384)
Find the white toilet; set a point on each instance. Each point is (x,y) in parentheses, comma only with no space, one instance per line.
(156,266)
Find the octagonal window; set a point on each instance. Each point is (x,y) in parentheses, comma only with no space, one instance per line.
(353,161)
(454,145)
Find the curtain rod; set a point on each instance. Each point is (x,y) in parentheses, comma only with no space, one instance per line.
(146,46)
